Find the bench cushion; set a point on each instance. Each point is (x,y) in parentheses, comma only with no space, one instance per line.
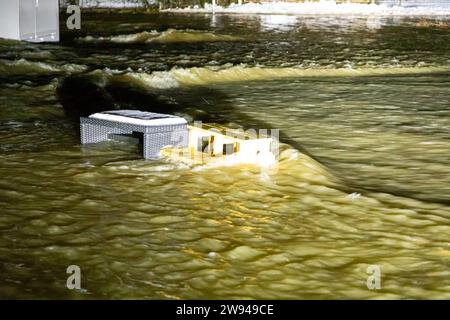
(137,117)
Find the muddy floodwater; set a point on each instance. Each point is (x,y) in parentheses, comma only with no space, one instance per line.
(363,177)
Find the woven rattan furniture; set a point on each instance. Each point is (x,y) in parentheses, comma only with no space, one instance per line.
(158,130)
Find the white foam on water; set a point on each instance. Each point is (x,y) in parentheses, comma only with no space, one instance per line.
(123,38)
(322,8)
(177,77)
(21,66)
(168,36)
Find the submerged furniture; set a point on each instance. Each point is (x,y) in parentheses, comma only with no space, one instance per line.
(209,144)
(30,20)
(157,130)
(170,136)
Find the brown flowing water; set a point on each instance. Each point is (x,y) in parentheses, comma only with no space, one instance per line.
(366,97)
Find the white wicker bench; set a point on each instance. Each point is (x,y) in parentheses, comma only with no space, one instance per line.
(158,130)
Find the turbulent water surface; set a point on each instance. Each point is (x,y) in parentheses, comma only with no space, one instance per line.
(363,176)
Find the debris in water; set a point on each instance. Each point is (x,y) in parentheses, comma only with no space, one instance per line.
(354,195)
